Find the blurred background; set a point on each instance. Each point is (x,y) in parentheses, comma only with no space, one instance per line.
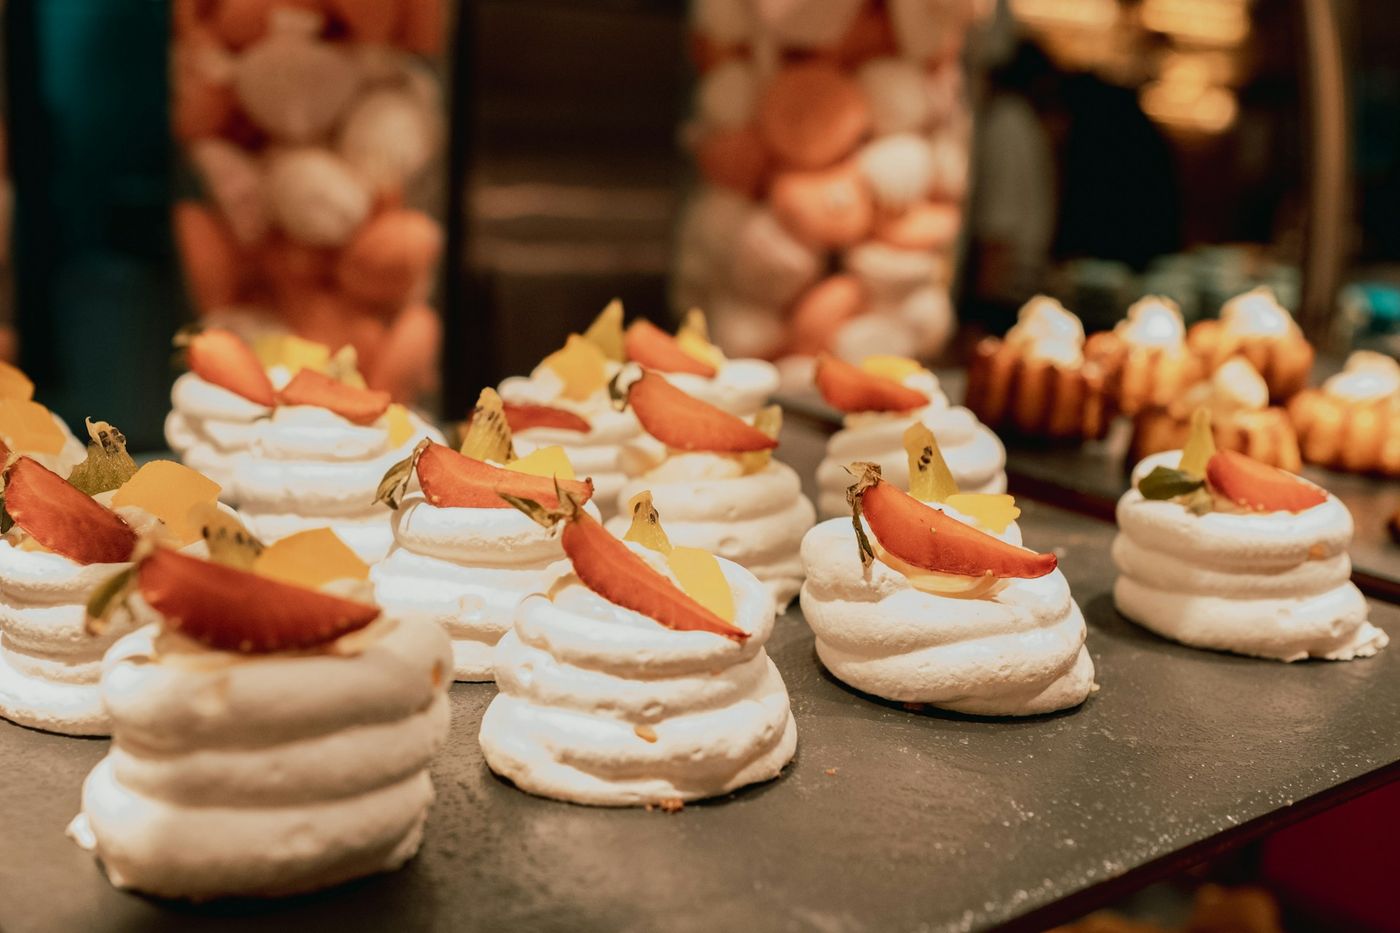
(518,163)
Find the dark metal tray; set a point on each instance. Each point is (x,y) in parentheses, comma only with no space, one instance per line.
(887,820)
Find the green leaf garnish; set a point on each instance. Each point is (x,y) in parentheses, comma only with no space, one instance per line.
(1168,483)
(107,597)
(108,465)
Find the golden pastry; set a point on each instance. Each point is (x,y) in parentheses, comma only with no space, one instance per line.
(1036,381)
(1254,325)
(1352,423)
(1145,358)
(1241,419)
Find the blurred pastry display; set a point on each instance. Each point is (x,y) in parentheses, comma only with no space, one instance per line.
(1145,357)
(1037,381)
(1352,422)
(831,140)
(314,135)
(1255,326)
(1241,417)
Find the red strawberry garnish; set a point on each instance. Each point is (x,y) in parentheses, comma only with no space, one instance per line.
(63,518)
(652,347)
(684,422)
(235,610)
(848,388)
(523,417)
(221,357)
(1258,486)
(309,387)
(452,480)
(608,567)
(926,538)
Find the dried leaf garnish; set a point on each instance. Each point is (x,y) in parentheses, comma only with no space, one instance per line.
(394,485)
(107,465)
(867,475)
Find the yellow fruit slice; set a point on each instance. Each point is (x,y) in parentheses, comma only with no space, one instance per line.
(770,421)
(693,338)
(581,365)
(897,368)
(939,584)
(989,511)
(488,434)
(547,461)
(605,332)
(930,480)
(171,492)
(310,559)
(400,426)
(1200,447)
(646,527)
(291,352)
(14,383)
(344,366)
(701,578)
(29,428)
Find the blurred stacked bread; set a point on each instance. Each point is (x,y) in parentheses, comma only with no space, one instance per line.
(314,134)
(831,140)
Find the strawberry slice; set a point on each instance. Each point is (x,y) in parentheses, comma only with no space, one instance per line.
(523,417)
(615,572)
(848,388)
(235,610)
(452,480)
(652,347)
(221,357)
(360,406)
(63,518)
(930,540)
(1258,486)
(684,422)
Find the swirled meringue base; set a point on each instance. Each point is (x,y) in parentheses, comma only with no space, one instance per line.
(264,775)
(600,705)
(1270,585)
(1019,652)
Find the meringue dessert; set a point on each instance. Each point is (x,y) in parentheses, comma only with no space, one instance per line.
(713,474)
(1242,420)
(217,405)
(699,368)
(1036,381)
(1254,325)
(66,538)
(880,399)
(930,598)
(272,731)
(1145,356)
(1352,423)
(640,676)
(28,428)
(565,402)
(462,557)
(1217,550)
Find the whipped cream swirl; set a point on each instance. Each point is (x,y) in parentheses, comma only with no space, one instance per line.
(466,570)
(601,705)
(1017,652)
(974,454)
(308,467)
(707,501)
(1271,585)
(740,387)
(595,454)
(208,426)
(263,775)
